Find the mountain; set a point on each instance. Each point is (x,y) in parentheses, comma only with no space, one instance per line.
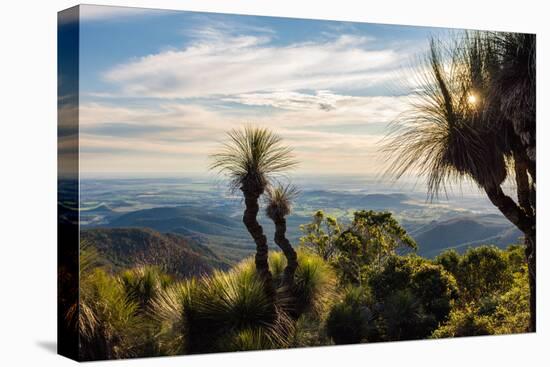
(463,232)
(127,247)
(211,227)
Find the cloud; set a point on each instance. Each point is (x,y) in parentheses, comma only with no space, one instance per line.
(224,64)
(339,139)
(322,97)
(327,107)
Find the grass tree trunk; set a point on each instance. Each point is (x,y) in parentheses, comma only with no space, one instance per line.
(526,223)
(525,202)
(291,256)
(256,231)
(531,254)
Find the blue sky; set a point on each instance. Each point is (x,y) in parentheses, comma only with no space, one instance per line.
(158,89)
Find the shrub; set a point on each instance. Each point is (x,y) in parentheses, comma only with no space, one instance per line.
(414,297)
(465,322)
(143,283)
(481,272)
(314,282)
(511,313)
(110,319)
(348,320)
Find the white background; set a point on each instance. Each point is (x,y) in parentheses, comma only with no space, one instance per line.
(28,182)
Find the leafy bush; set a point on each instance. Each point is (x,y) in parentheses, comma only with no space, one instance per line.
(494,291)
(465,322)
(512,310)
(348,320)
(414,296)
(481,272)
(362,246)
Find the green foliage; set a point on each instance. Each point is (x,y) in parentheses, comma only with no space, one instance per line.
(173,310)
(465,322)
(279,200)
(246,340)
(450,260)
(481,271)
(348,320)
(314,282)
(251,155)
(143,312)
(494,291)
(320,235)
(512,310)
(142,284)
(414,297)
(230,302)
(112,325)
(363,245)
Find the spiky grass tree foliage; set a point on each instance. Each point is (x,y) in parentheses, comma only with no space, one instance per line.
(249,157)
(143,283)
(458,125)
(246,340)
(107,322)
(173,310)
(279,204)
(442,136)
(113,325)
(513,89)
(314,284)
(221,312)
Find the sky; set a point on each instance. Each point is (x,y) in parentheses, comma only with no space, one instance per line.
(159,89)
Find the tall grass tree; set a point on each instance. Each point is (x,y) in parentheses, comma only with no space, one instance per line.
(460,125)
(279,205)
(250,157)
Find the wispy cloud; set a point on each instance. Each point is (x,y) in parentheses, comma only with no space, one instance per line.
(228,65)
(169,110)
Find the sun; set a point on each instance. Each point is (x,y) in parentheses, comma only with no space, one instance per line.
(472,99)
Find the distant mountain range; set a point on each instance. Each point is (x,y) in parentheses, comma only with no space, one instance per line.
(228,238)
(205,217)
(128,247)
(463,232)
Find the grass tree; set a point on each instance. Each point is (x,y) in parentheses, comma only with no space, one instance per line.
(454,129)
(279,205)
(513,95)
(250,157)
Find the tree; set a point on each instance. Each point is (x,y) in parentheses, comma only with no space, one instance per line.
(514,94)
(321,234)
(370,239)
(482,272)
(279,201)
(414,297)
(249,157)
(348,320)
(464,124)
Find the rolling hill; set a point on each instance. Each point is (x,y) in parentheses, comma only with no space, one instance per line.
(127,247)
(463,232)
